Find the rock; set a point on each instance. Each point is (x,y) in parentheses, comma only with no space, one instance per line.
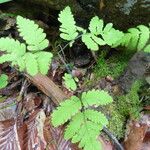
(136,69)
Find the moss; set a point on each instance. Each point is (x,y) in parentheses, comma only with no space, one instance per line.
(116,122)
(125,107)
(112,66)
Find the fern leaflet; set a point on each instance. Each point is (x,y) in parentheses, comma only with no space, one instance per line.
(96,117)
(31,64)
(70,82)
(44,60)
(68,28)
(66,110)
(32,34)
(95,97)
(96,26)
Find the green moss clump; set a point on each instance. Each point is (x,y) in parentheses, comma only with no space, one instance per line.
(113,66)
(125,107)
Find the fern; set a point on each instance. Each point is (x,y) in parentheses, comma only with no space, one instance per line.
(70,82)
(98,35)
(27,56)
(137,38)
(3,81)
(68,28)
(95,97)
(32,34)
(85,124)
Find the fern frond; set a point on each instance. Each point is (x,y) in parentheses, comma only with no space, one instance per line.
(44,61)
(12,46)
(32,34)
(138,36)
(66,110)
(31,64)
(68,25)
(108,35)
(96,26)
(96,117)
(95,97)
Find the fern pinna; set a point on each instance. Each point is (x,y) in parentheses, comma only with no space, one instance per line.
(85,123)
(99,34)
(137,38)
(27,56)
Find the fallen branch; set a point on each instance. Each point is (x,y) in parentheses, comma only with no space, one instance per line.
(48,87)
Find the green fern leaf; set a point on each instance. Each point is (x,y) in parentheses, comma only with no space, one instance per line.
(12,46)
(89,42)
(134,38)
(87,134)
(74,125)
(31,64)
(66,110)
(144,37)
(96,25)
(32,34)
(7,58)
(125,40)
(68,28)
(3,81)
(107,28)
(70,82)
(21,64)
(95,97)
(147,49)
(44,61)
(98,40)
(96,117)
(112,36)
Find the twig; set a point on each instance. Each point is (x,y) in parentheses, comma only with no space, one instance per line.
(113,138)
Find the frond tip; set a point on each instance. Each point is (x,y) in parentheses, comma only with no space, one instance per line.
(32,34)
(68,26)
